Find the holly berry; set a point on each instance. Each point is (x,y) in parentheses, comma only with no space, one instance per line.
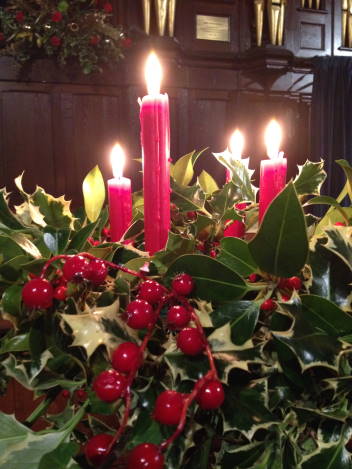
(125,357)
(268,305)
(168,407)
(94,40)
(65,393)
(38,293)
(253,278)
(211,395)
(96,448)
(56,17)
(81,394)
(109,385)
(213,253)
(151,291)
(183,284)
(339,223)
(19,17)
(285,298)
(294,283)
(178,317)
(283,283)
(75,268)
(145,456)
(96,272)
(107,7)
(60,293)
(55,41)
(140,314)
(190,341)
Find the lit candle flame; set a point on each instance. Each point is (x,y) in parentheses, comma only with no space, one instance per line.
(153,74)
(118,159)
(236,144)
(273,136)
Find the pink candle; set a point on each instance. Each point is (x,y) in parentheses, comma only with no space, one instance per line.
(273,171)
(155,139)
(120,197)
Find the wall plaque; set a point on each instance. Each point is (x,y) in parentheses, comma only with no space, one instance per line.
(213,28)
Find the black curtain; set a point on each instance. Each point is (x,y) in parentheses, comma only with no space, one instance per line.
(331,124)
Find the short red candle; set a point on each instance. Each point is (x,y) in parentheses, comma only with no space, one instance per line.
(155,140)
(273,171)
(120,196)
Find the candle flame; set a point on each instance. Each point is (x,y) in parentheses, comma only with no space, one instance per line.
(273,136)
(153,74)
(236,144)
(118,159)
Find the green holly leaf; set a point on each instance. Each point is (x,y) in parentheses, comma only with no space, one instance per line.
(281,244)
(340,243)
(175,247)
(17,343)
(332,455)
(244,456)
(56,211)
(6,216)
(187,198)
(348,173)
(224,200)
(207,182)
(79,239)
(311,177)
(11,301)
(182,170)
(61,457)
(56,240)
(213,280)
(235,254)
(93,193)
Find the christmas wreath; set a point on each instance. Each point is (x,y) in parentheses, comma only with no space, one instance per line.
(215,352)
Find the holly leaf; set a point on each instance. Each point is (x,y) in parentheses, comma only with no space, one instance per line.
(187,198)
(340,243)
(235,254)
(175,247)
(102,326)
(56,240)
(281,244)
(224,200)
(93,193)
(311,177)
(6,216)
(56,211)
(344,164)
(182,170)
(213,280)
(61,457)
(207,182)
(11,301)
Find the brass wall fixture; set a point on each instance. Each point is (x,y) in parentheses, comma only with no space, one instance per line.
(165,12)
(347,23)
(311,4)
(276,21)
(259,20)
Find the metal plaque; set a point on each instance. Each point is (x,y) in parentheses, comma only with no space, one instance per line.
(213,28)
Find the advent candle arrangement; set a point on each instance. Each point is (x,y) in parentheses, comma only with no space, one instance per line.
(120,196)
(155,140)
(272,171)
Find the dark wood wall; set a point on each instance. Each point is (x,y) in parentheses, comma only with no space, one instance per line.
(57,124)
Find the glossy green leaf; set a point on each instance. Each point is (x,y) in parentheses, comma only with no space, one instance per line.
(17,343)
(207,182)
(79,239)
(344,164)
(324,315)
(60,458)
(224,200)
(340,243)
(183,169)
(235,254)
(311,177)
(327,200)
(93,193)
(175,247)
(9,249)
(329,456)
(242,317)
(6,216)
(187,198)
(11,301)
(281,244)
(56,240)
(213,280)
(56,211)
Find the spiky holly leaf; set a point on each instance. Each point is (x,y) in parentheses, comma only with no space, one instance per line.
(187,198)
(61,457)
(235,254)
(344,164)
(223,200)
(56,211)
(101,326)
(310,178)
(175,247)
(6,216)
(340,243)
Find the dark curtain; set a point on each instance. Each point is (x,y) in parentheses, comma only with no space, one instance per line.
(331,125)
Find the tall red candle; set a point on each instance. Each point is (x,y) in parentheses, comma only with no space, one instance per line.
(272,171)
(120,196)
(155,139)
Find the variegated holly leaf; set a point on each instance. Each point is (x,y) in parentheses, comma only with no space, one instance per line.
(56,211)
(311,177)
(102,326)
(7,218)
(340,243)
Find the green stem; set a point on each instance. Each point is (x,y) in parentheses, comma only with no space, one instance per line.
(38,411)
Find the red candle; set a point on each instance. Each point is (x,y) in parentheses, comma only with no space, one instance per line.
(155,139)
(120,197)
(272,171)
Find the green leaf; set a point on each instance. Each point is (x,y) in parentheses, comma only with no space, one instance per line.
(331,455)
(339,242)
(12,300)
(235,254)
(207,182)
(60,458)
(213,280)
(183,169)
(17,343)
(244,456)
(175,247)
(242,317)
(56,211)
(327,200)
(93,193)
(224,200)
(246,409)
(6,216)
(9,249)
(187,198)
(56,240)
(310,178)
(326,316)
(79,240)
(21,447)
(348,172)
(281,244)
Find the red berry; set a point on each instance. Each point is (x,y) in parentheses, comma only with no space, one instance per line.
(294,283)
(109,385)
(96,272)
(178,317)
(213,253)
(2,37)
(94,40)
(81,394)
(283,283)
(285,298)
(125,357)
(241,206)
(55,41)
(96,448)
(253,278)
(60,293)
(339,223)
(140,314)
(151,291)
(168,407)
(190,341)
(145,456)
(211,395)
(56,17)
(183,284)
(107,7)
(268,305)
(75,268)
(65,394)
(126,42)
(38,293)
(19,17)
